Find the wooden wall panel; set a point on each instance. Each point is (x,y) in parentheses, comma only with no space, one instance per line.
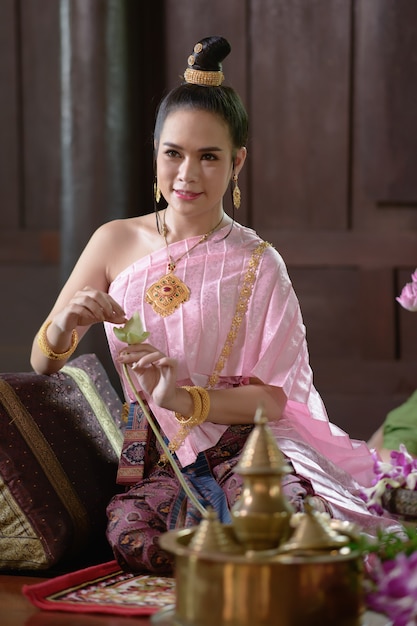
(40,86)
(360,415)
(377,314)
(20,247)
(29,288)
(328,296)
(9,116)
(29,172)
(385,121)
(359,393)
(299,102)
(350,320)
(358,248)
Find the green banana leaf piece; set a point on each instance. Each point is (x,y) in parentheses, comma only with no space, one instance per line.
(132,331)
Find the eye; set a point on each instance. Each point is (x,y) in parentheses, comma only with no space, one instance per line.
(209,156)
(172,153)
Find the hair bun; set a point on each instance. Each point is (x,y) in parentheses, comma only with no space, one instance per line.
(209,53)
(205,62)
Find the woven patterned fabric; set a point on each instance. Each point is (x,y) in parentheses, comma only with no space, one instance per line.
(60,441)
(103,588)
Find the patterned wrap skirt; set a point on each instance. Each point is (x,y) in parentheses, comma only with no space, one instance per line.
(157,503)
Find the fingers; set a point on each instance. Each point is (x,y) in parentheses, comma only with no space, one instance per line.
(139,360)
(143,355)
(156,372)
(157,377)
(134,352)
(155,360)
(93,305)
(89,306)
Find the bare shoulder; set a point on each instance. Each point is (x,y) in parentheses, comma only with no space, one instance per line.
(127,240)
(127,227)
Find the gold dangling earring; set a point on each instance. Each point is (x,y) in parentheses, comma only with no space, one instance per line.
(156,191)
(236,193)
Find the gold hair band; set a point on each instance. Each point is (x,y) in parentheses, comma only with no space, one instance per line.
(47,350)
(200,77)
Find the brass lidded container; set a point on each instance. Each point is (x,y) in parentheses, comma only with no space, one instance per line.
(270,567)
(262,515)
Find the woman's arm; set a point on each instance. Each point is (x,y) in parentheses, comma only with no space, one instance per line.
(157,375)
(82,302)
(237,405)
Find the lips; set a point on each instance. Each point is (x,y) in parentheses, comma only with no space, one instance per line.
(186,195)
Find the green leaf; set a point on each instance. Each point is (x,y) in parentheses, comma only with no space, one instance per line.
(132,331)
(388,544)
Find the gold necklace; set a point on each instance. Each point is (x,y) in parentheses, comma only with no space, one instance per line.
(169,292)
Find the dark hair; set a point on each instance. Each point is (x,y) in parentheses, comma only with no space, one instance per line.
(222,101)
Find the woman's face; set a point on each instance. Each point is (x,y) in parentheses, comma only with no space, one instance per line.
(194,161)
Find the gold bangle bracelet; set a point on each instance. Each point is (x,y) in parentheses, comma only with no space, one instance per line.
(197,407)
(47,350)
(201,410)
(205,403)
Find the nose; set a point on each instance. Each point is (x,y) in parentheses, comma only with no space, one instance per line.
(188,171)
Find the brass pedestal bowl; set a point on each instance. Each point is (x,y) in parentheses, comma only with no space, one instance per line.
(312,588)
(270,567)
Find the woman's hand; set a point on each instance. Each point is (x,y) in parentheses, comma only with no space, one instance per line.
(156,373)
(157,377)
(89,306)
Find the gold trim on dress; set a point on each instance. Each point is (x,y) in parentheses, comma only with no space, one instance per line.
(241,308)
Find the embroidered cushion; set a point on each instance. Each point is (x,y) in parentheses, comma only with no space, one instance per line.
(60,441)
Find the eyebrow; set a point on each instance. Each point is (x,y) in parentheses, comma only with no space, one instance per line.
(168,144)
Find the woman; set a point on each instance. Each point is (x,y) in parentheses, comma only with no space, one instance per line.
(226,333)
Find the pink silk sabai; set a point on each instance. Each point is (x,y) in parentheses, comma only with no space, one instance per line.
(270,345)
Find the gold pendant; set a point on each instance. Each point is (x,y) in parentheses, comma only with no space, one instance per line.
(167,294)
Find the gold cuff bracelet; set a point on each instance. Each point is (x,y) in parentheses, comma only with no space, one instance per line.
(47,350)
